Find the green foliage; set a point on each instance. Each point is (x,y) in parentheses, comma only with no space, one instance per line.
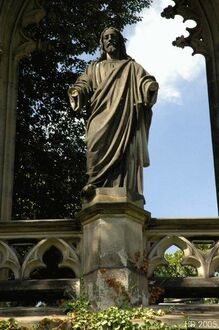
(210,301)
(82,304)
(175,267)
(11,324)
(50,148)
(115,318)
(83,317)
(205,247)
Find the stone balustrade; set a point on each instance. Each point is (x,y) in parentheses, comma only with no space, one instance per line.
(37,253)
(24,243)
(187,235)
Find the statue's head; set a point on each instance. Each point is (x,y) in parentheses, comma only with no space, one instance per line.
(112,41)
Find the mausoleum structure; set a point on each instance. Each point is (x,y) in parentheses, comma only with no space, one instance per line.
(113,241)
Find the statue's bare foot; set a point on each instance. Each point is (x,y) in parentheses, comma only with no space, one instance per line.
(88,190)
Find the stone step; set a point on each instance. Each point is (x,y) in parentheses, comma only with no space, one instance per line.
(191,316)
(30,322)
(186,316)
(13,312)
(29,317)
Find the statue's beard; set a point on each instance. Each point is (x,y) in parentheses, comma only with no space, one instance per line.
(111,49)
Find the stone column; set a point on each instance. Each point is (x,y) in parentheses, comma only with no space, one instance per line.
(112,249)
(15,16)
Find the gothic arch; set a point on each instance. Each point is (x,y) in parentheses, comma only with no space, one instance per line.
(14,16)
(192,256)
(212,260)
(9,259)
(34,259)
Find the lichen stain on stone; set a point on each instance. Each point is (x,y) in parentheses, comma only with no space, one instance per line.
(123,257)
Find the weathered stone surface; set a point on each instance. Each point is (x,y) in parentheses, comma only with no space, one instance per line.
(113,195)
(111,242)
(112,252)
(121,287)
(111,201)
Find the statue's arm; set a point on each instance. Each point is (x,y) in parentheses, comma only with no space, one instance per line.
(149,91)
(81,91)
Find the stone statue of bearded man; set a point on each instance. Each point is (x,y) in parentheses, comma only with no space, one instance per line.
(120,95)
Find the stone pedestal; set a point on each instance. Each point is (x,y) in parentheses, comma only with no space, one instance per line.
(112,253)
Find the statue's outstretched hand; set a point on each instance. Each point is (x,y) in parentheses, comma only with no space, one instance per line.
(150,89)
(74,99)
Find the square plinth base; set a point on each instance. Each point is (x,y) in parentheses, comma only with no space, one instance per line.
(116,287)
(113,252)
(113,195)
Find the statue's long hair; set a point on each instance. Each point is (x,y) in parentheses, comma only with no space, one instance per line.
(122,51)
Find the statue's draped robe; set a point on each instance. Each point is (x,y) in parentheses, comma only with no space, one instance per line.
(117,129)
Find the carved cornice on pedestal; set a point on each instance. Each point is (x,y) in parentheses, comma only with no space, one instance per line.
(195,40)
